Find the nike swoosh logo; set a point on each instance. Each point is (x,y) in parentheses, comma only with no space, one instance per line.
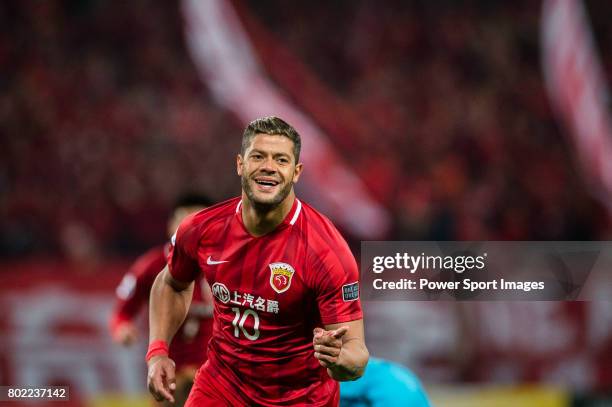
(212,262)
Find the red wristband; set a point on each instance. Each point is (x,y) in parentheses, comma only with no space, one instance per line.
(157,348)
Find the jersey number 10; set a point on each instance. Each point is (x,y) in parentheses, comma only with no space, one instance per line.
(238,324)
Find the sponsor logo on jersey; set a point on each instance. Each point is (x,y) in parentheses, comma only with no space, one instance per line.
(221,292)
(350,292)
(280,276)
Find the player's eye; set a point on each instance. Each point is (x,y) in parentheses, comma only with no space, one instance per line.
(283,160)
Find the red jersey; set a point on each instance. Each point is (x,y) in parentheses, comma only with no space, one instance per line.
(270,293)
(187,347)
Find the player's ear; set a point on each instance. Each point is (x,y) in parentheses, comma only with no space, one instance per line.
(298,171)
(239,165)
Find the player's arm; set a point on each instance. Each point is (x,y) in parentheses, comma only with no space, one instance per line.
(341,349)
(127,305)
(168,306)
(205,308)
(131,295)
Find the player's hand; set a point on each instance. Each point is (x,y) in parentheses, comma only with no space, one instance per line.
(161,378)
(125,334)
(328,345)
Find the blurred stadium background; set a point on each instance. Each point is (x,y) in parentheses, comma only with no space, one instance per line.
(422,121)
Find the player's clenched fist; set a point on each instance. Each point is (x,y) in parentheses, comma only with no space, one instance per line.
(161,379)
(125,333)
(328,345)
(345,357)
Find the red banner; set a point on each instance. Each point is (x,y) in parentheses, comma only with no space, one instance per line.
(577,89)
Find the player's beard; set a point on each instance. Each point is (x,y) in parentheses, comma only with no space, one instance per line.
(268,204)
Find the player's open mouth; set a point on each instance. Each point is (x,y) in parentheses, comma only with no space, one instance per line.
(266,184)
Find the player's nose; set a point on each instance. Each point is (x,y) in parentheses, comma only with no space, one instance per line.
(268,165)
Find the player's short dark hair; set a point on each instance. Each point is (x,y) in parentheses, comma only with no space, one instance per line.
(192,199)
(274,126)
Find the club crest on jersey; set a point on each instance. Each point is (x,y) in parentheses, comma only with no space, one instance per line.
(280,276)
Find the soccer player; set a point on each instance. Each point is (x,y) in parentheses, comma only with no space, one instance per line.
(287,317)
(188,348)
(384,384)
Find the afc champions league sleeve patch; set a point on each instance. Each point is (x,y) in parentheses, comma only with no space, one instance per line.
(280,276)
(350,292)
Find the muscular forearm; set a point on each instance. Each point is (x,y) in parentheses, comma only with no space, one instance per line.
(200,311)
(168,307)
(352,361)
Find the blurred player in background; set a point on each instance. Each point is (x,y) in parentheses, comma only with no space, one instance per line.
(288,320)
(384,384)
(189,346)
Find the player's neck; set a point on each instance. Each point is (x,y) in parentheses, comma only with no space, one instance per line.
(260,222)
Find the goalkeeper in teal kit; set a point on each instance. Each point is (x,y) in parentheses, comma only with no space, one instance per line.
(385,384)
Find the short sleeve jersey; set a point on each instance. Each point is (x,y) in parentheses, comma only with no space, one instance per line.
(132,295)
(270,292)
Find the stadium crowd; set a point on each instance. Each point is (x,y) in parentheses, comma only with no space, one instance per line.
(465,145)
(105,120)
